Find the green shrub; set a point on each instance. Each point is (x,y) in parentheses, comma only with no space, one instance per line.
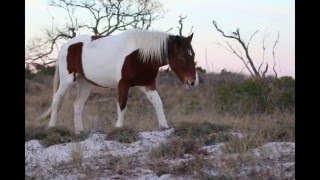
(247,97)
(285,87)
(256,96)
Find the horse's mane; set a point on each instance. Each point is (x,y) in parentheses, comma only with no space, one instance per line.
(152,45)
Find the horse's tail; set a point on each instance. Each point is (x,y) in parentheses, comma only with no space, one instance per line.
(56,82)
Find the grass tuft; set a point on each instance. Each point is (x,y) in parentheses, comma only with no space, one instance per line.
(176,148)
(188,129)
(76,154)
(123,135)
(54,135)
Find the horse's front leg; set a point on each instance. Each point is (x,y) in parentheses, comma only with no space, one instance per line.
(123,89)
(155,99)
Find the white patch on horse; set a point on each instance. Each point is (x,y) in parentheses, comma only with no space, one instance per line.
(119,122)
(154,98)
(152,45)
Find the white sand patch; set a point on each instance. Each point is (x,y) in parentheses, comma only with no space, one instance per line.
(40,159)
(275,149)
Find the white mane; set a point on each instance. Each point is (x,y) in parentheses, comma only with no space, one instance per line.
(152,45)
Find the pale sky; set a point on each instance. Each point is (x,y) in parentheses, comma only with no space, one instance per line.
(249,15)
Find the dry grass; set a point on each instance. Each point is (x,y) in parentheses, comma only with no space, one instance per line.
(121,165)
(175,148)
(76,154)
(123,134)
(194,114)
(51,136)
(195,167)
(188,129)
(180,105)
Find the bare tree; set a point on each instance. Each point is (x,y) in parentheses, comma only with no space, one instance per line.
(106,17)
(180,27)
(247,60)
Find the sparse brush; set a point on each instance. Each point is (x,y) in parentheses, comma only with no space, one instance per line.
(243,145)
(160,168)
(54,138)
(121,164)
(123,135)
(191,167)
(189,129)
(76,154)
(205,132)
(34,132)
(176,148)
(54,135)
(277,131)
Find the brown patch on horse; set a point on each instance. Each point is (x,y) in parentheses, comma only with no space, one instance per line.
(95,37)
(123,90)
(74,61)
(136,73)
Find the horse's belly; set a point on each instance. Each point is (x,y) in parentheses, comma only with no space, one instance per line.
(102,60)
(102,66)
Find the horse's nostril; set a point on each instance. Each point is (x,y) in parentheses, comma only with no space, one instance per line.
(192,84)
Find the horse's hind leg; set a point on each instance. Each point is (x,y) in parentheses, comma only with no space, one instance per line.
(57,97)
(154,98)
(84,89)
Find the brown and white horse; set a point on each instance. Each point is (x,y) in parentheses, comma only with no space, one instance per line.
(132,58)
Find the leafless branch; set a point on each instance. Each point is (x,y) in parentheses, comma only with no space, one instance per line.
(244,67)
(169,29)
(190,31)
(265,70)
(263,48)
(274,58)
(239,56)
(236,36)
(224,47)
(251,38)
(180,27)
(105,17)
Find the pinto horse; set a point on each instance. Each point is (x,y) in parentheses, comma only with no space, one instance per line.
(132,58)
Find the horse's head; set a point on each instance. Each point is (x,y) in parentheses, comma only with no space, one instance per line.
(181,59)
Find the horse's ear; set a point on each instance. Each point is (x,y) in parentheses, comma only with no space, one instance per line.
(189,38)
(177,39)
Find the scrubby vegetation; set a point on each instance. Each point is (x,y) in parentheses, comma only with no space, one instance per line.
(124,135)
(51,136)
(257,96)
(260,110)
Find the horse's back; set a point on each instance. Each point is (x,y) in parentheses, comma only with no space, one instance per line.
(101,59)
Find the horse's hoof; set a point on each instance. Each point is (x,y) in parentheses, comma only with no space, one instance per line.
(47,127)
(165,128)
(120,127)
